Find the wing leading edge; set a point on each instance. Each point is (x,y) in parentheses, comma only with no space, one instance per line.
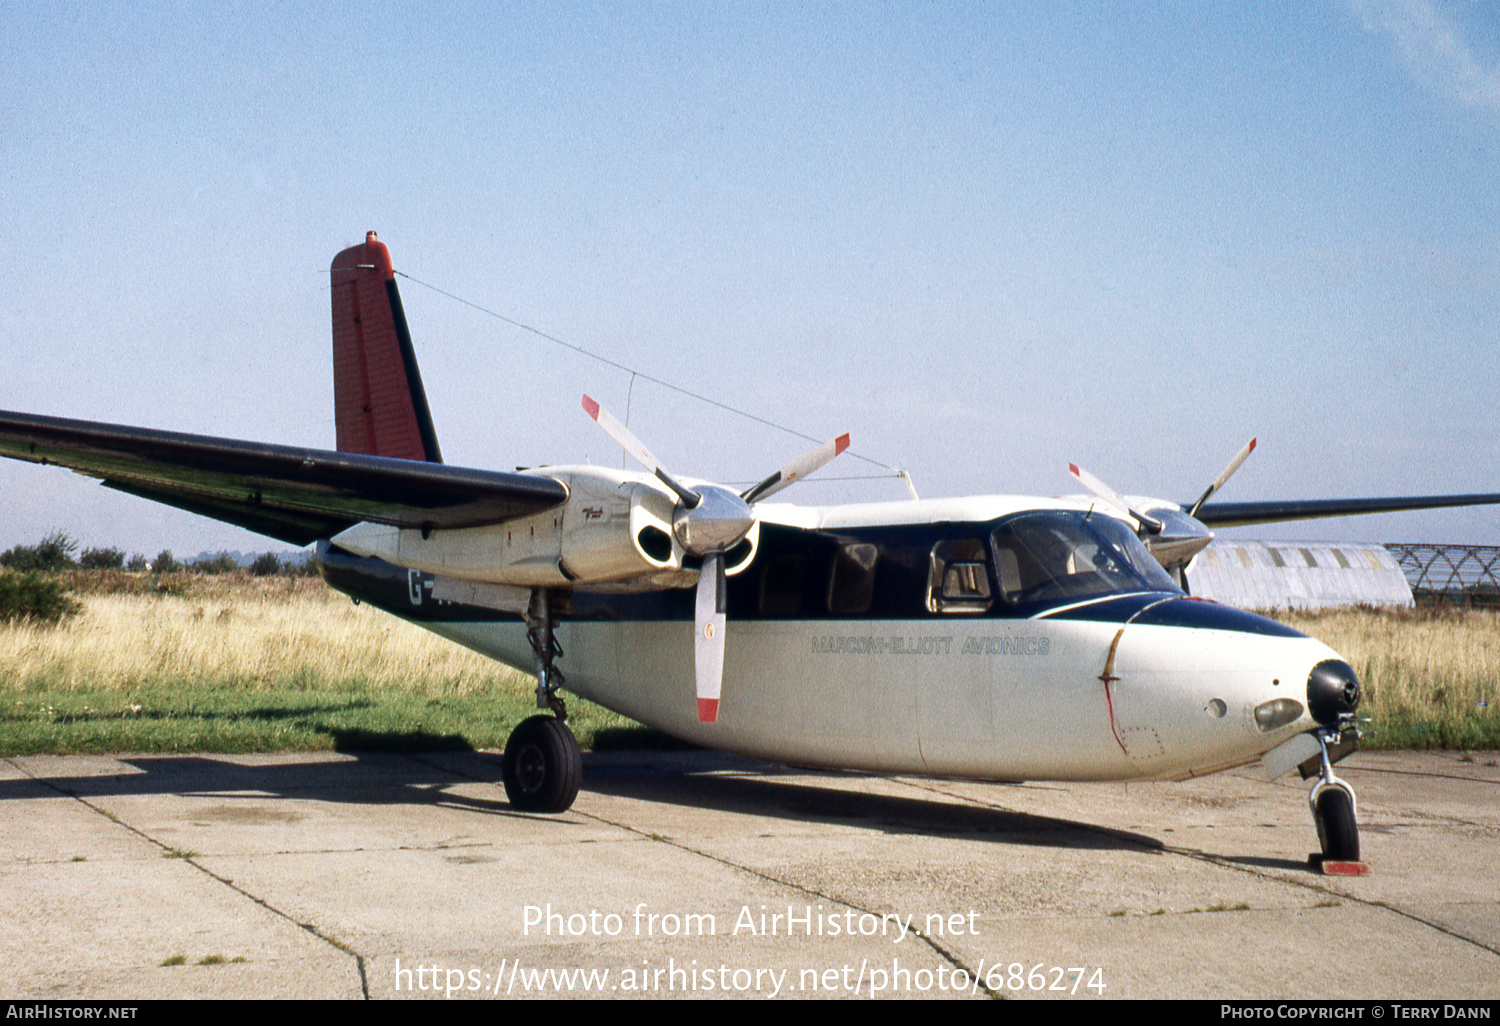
(1243,514)
(293,495)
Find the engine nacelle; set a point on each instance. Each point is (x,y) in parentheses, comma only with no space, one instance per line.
(614,531)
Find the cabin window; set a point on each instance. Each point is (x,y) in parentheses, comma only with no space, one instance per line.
(851,585)
(958,580)
(1307,555)
(781,586)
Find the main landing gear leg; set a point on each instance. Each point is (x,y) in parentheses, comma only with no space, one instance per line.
(1333,809)
(545,649)
(542,766)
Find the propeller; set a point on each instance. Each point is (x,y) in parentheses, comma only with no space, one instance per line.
(709,520)
(797,469)
(1153,523)
(1172,534)
(1234,465)
(1149,524)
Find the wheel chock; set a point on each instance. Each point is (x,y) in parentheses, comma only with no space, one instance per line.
(1337,867)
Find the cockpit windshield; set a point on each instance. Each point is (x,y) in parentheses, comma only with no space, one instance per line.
(1062,556)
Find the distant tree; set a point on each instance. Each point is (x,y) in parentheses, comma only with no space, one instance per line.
(266,564)
(37,597)
(223,563)
(137,562)
(165,563)
(101,559)
(52,553)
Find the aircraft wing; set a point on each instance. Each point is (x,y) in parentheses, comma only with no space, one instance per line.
(1241,514)
(294,495)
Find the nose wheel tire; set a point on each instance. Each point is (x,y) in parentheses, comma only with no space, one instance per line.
(542,766)
(1337,831)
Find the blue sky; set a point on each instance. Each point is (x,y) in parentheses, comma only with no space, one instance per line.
(986,239)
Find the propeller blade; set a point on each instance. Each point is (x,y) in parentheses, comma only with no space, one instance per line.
(709,521)
(642,455)
(1112,497)
(797,469)
(1234,465)
(708,635)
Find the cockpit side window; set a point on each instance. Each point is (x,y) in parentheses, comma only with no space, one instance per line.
(958,579)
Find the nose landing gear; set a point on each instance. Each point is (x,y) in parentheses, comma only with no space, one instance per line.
(1333,809)
(1333,695)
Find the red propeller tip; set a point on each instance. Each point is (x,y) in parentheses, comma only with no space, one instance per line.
(591,407)
(708,710)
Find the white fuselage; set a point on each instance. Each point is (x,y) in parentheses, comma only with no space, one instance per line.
(1100,688)
(990,699)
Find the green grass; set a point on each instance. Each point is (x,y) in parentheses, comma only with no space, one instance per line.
(172,718)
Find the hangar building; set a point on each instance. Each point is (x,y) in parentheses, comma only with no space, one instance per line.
(1297,575)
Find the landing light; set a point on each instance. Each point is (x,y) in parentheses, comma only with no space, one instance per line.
(1277,713)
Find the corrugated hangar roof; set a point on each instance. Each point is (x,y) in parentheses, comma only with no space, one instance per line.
(1297,575)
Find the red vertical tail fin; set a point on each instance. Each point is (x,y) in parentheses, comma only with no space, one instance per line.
(379,405)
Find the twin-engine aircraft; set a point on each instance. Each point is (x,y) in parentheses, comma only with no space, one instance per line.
(994,637)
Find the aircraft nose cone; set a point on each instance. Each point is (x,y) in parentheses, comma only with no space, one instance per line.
(1332,690)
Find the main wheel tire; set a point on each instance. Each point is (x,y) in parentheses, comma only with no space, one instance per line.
(542,766)
(1337,830)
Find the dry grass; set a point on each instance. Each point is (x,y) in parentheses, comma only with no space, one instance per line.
(243,632)
(1429,675)
(234,663)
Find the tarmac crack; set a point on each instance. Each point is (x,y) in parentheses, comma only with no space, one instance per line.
(1430,776)
(1316,887)
(1223,863)
(811,892)
(192,860)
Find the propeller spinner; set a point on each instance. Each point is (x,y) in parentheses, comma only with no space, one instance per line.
(709,520)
